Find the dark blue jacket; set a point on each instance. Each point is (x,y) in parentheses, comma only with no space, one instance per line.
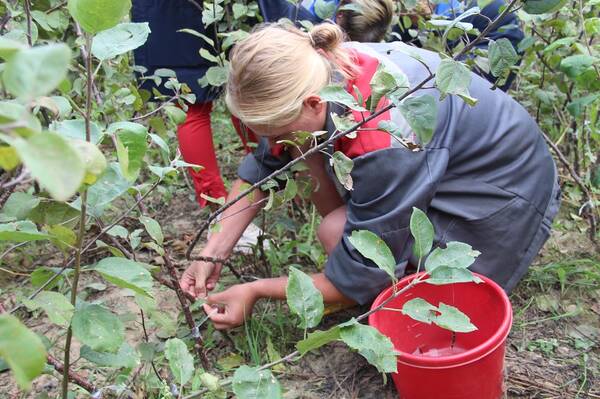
(167,48)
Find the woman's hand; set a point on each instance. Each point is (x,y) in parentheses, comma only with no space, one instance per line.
(200,277)
(234,305)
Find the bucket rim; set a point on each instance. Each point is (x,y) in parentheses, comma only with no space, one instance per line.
(472,355)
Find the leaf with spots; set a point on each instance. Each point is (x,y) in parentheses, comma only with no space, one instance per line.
(98,328)
(304,299)
(126,273)
(374,248)
(251,383)
(371,344)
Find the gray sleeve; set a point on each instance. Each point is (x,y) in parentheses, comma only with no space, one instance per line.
(261,163)
(387,184)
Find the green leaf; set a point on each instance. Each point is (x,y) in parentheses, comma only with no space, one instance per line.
(156,139)
(502,56)
(43,274)
(9,47)
(565,41)
(453,319)
(250,383)
(290,191)
(576,65)
(304,299)
(325,9)
(62,236)
(175,114)
(53,162)
(9,159)
(542,6)
(422,230)
(337,94)
(98,327)
(57,307)
(453,77)
(19,205)
(449,275)
(576,107)
(14,112)
(421,115)
(119,40)
(131,147)
(456,254)
(239,10)
(342,166)
(212,13)
(153,228)
(36,71)
(420,310)
(22,350)
(93,159)
(126,357)
(383,83)
(369,245)
(75,129)
(343,123)
(181,362)
(371,344)
(592,26)
(21,232)
(317,339)
(126,273)
(217,75)
(97,15)
(107,188)
(210,381)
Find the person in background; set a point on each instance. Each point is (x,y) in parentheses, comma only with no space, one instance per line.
(486,178)
(367,21)
(178,51)
(508,27)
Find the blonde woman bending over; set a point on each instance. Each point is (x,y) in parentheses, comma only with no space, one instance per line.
(486,178)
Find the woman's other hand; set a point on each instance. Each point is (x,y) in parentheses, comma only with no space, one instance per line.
(234,306)
(200,277)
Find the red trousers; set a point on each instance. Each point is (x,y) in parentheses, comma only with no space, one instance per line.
(197,147)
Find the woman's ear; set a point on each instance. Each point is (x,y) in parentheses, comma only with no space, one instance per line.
(314,104)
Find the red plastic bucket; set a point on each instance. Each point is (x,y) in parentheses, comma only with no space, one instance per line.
(432,364)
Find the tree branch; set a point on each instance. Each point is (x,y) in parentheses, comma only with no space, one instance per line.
(73,376)
(199,345)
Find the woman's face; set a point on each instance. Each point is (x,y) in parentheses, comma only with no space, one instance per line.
(311,119)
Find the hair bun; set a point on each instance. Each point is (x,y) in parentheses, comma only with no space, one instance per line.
(326,36)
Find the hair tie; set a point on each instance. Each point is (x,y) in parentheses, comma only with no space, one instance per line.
(312,41)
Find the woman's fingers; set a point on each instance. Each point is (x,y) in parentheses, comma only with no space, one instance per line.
(221,321)
(194,279)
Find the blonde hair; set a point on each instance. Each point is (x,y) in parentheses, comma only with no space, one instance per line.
(368,25)
(276,67)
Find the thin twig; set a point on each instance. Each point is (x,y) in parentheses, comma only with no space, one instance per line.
(147,339)
(199,345)
(580,183)
(73,376)
(28,16)
(169,101)
(81,233)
